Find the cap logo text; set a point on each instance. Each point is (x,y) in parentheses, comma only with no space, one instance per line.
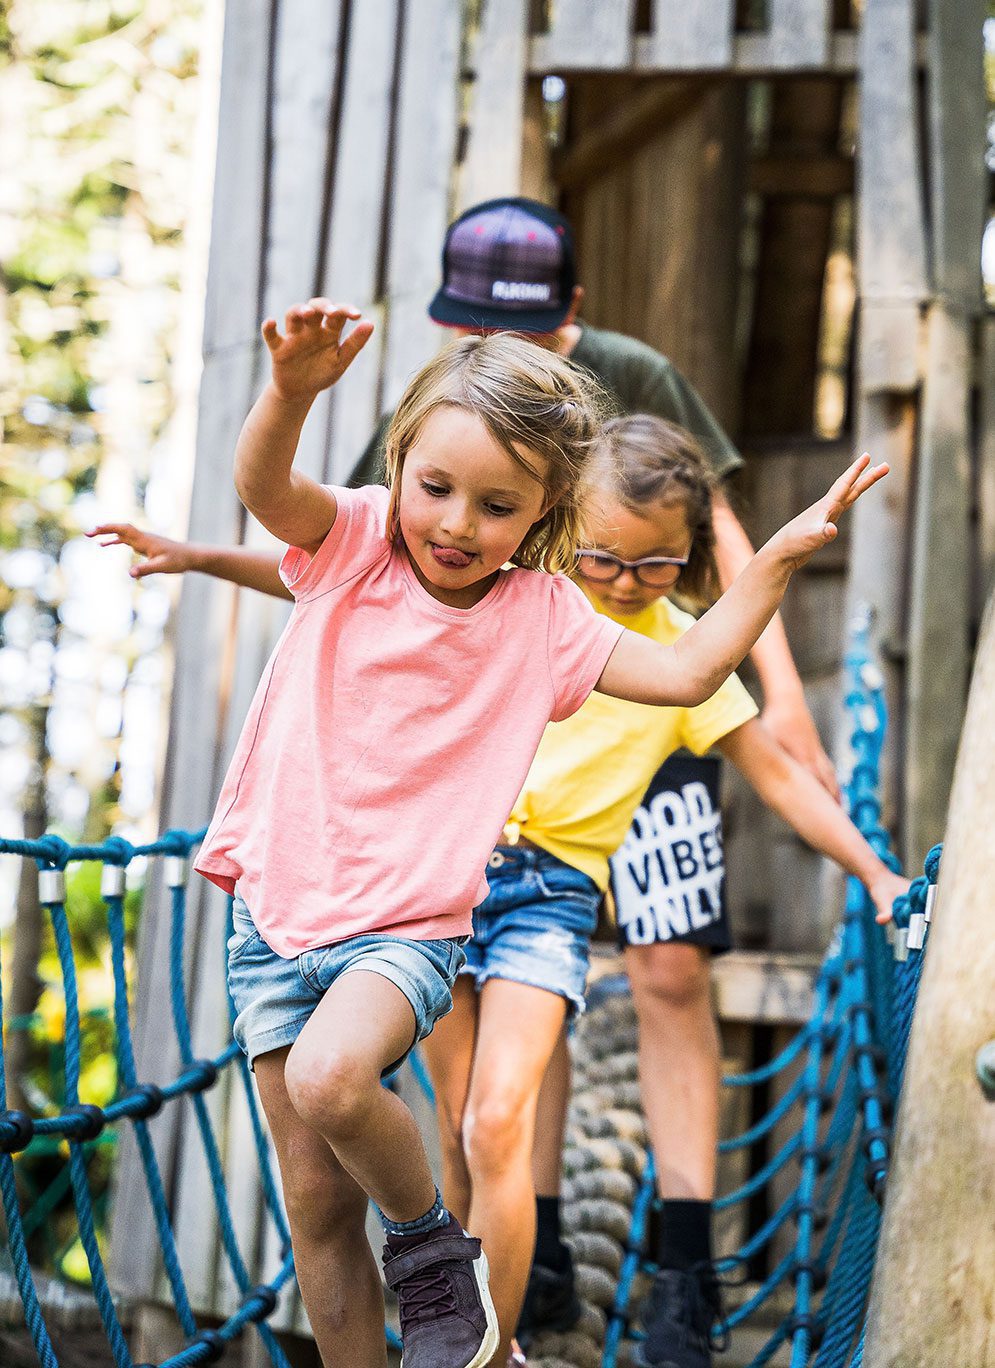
(513,289)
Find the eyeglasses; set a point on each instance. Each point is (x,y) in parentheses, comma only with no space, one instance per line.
(652,572)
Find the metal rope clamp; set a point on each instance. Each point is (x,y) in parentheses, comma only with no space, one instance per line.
(916,937)
(176,870)
(930,902)
(51,886)
(984,1065)
(112,881)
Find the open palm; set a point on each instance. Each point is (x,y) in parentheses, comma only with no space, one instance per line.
(312,354)
(817,526)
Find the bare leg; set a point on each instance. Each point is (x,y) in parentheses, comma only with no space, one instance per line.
(679,1063)
(362,1024)
(448,1053)
(336,1269)
(517,1031)
(551,1121)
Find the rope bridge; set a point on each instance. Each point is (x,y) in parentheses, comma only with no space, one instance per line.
(845,1069)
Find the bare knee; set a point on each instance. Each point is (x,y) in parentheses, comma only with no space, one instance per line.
(674,978)
(330,1092)
(497,1133)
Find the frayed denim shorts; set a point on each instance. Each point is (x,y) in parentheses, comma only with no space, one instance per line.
(274,997)
(535,927)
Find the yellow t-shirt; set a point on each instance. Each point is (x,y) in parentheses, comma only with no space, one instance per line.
(592,770)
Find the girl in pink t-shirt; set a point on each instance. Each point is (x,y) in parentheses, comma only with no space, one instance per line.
(431,641)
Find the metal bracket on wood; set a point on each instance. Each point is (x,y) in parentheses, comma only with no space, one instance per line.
(984,1066)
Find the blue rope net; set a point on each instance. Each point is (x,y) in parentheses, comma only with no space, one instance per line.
(849,1061)
(850,1058)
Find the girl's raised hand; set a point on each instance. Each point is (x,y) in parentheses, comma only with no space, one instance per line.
(816,527)
(312,354)
(160,554)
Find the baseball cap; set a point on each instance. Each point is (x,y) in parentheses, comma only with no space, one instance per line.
(507,263)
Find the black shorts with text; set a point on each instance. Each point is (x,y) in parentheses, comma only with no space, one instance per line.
(668,877)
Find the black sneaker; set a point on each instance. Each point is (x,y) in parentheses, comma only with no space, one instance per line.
(678,1317)
(447,1316)
(551,1301)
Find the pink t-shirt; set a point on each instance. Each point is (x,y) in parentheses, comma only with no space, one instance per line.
(389,738)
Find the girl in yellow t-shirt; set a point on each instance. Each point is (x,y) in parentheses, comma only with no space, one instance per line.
(527,960)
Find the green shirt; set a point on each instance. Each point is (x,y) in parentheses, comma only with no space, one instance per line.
(637,378)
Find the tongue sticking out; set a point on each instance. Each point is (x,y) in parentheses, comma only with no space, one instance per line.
(450,556)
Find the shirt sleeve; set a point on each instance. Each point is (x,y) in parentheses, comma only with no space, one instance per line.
(356,539)
(728,708)
(580,642)
(670,395)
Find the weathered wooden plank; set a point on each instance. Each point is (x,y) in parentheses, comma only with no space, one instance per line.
(776,989)
(985,572)
(958,176)
(800,34)
(492,161)
(753,54)
(694,36)
(420,202)
(940,591)
(932,1295)
(891,240)
(588,35)
(305,65)
(354,246)
(891,262)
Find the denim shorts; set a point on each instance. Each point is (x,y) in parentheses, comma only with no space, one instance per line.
(274,997)
(536,925)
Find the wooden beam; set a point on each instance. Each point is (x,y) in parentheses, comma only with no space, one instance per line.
(985,560)
(940,591)
(492,160)
(692,35)
(800,32)
(203,630)
(931,1301)
(354,247)
(820,176)
(421,204)
(626,129)
(892,285)
(588,35)
(940,607)
(753,55)
(773,989)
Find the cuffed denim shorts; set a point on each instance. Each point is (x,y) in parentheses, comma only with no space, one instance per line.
(535,927)
(274,997)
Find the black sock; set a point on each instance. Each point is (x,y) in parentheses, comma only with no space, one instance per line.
(550,1250)
(685,1234)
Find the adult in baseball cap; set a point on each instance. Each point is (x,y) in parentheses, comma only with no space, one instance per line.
(507,264)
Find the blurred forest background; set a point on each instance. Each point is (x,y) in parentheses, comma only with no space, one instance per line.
(107,108)
(103,108)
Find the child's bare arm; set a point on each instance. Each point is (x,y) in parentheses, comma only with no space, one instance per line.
(795,794)
(690,670)
(163,556)
(310,356)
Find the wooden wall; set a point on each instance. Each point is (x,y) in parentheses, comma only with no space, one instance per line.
(350,133)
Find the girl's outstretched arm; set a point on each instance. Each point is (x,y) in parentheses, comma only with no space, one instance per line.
(797,796)
(310,356)
(690,670)
(163,556)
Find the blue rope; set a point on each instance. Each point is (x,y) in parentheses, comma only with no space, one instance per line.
(853,1050)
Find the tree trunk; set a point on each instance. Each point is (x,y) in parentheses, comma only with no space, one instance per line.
(932,1298)
(30,924)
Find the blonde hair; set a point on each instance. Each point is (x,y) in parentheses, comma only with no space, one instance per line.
(527,397)
(649,460)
